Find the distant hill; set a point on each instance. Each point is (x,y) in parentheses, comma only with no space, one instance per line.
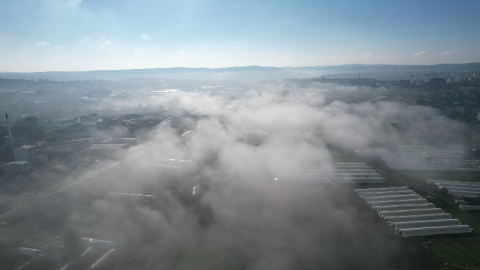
(246,72)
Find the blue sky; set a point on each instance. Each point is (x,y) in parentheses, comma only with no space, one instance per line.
(71,35)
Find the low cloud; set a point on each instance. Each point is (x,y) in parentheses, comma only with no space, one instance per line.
(420,54)
(105,45)
(182,53)
(369,56)
(225,201)
(140,51)
(144,37)
(446,53)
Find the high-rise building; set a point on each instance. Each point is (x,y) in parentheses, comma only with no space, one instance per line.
(12,142)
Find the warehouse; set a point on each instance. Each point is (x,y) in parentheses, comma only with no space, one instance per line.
(428,223)
(392,198)
(416,148)
(411,214)
(441,182)
(300,175)
(398,202)
(98,243)
(408,161)
(370,190)
(387,193)
(353,170)
(463,192)
(381,209)
(447,161)
(460,187)
(469,207)
(394,220)
(104,261)
(457,187)
(371,152)
(300,179)
(388,214)
(353,173)
(359,180)
(436,230)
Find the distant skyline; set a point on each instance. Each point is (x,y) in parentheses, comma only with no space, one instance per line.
(76,35)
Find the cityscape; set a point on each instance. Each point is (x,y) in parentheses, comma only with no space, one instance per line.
(234,136)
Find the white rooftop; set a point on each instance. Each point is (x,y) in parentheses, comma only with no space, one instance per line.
(18,162)
(107,146)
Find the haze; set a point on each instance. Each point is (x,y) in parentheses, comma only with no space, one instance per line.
(239,135)
(74,35)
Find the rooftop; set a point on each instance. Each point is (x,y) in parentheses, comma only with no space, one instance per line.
(107,146)
(18,162)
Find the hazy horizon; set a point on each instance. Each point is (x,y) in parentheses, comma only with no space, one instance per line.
(76,35)
(247,66)
(259,135)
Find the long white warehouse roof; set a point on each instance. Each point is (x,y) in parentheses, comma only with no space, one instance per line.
(427,223)
(436,230)
(368,190)
(388,214)
(398,202)
(419,218)
(381,209)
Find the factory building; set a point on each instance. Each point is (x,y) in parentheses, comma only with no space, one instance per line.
(452,229)
(409,213)
(353,173)
(459,189)
(15,167)
(23,153)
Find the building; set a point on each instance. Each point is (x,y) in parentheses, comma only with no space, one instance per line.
(437,84)
(41,159)
(106,150)
(461,109)
(89,118)
(23,153)
(30,123)
(404,82)
(10,141)
(126,141)
(15,167)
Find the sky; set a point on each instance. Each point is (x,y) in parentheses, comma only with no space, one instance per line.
(75,35)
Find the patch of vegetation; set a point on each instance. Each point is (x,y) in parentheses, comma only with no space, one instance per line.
(460,252)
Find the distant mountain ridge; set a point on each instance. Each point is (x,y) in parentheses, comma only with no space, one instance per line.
(253,72)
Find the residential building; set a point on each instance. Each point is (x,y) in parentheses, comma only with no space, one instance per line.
(23,153)
(15,167)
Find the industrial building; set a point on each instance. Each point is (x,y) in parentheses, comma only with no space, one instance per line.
(409,213)
(408,161)
(303,174)
(15,167)
(422,158)
(336,172)
(12,142)
(459,189)
(106,150)
(353,173)
(452,161)
(23,153)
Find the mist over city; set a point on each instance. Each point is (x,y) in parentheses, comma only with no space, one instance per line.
(252,135)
